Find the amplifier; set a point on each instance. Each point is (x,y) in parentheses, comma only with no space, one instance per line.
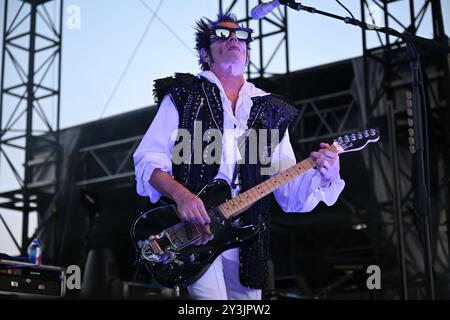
(23,279)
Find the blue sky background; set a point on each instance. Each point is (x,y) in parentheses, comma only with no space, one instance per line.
(96,54)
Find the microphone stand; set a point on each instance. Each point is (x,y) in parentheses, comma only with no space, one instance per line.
(419,117)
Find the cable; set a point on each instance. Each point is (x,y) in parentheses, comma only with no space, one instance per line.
(373,22)
(168,28)
(130,60)
(135,276)
(351,14)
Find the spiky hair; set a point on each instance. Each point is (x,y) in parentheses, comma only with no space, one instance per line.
(203,30)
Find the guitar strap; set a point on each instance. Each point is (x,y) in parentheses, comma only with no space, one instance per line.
(236,170)
(244,138)
(237,166)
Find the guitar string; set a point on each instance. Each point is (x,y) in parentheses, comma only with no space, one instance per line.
(164,242)
(216,219)
(172,230)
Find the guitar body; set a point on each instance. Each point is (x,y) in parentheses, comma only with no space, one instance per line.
(189,262)
(166,244)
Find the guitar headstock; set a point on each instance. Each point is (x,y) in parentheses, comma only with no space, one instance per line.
(356,140)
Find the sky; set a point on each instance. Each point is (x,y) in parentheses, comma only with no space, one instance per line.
(113,51)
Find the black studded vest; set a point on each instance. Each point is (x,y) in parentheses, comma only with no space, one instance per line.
(197,99)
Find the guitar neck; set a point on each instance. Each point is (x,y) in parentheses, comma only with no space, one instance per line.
(236,206)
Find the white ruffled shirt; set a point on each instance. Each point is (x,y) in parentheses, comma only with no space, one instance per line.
(155,151)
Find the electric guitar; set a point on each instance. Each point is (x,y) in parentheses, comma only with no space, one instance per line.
(166,244)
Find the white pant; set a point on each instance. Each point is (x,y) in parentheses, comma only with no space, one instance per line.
(221,281)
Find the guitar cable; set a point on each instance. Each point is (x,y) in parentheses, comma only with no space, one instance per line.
(138,262)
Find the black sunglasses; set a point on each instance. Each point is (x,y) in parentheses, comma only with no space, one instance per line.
(224,33)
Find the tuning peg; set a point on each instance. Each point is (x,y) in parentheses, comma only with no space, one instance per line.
(366,133)
(360,136)
(340,140)
(346,139)
(373,132)
(353,137)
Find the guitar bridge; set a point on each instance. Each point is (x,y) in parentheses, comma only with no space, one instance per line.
(153,250)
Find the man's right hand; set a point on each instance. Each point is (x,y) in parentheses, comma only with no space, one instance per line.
(190,208)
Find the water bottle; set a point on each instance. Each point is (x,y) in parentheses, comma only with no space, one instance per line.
(35,252)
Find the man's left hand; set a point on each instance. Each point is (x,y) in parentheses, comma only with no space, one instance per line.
(327,163)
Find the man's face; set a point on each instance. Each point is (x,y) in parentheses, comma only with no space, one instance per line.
(229,51)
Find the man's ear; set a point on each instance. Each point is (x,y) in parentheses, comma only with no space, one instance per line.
(204,56)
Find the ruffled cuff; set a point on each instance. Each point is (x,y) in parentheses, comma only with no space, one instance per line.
(330,193)
(144,172)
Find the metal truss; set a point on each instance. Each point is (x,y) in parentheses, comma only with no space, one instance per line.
(324,117)
(30,107)
(271,28)
(321,119)
(107,162)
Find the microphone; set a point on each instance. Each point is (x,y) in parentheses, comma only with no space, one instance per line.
(263,9)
